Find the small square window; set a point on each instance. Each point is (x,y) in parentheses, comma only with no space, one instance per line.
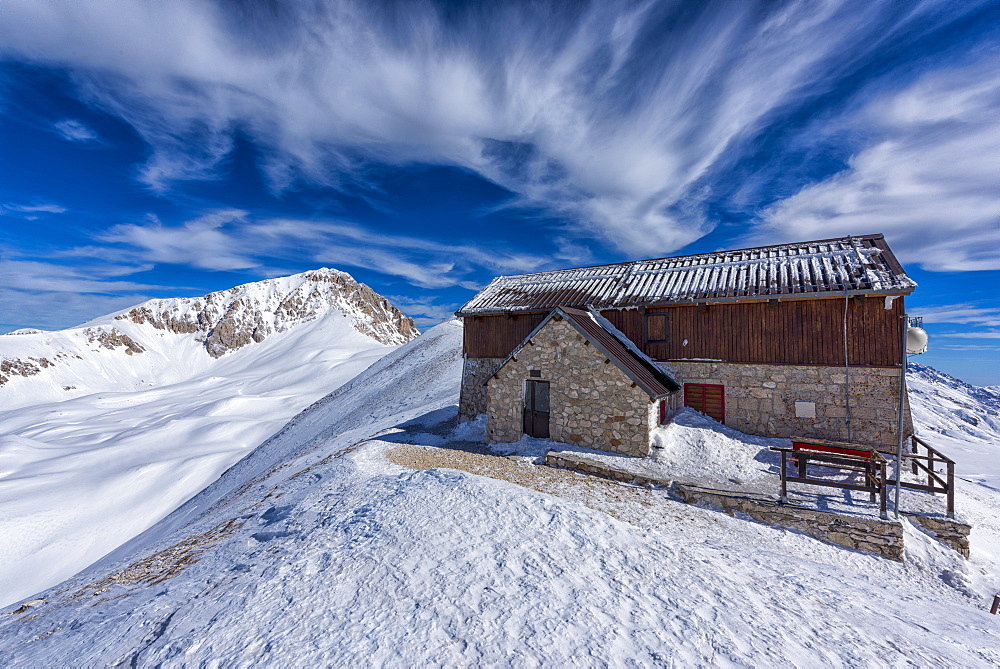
(535,373)
(656,327)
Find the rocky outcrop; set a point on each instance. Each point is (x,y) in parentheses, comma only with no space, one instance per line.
(231,319)
(112,339)
(162,320)
(16,367)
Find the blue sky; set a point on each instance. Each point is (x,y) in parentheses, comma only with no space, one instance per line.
(166,149)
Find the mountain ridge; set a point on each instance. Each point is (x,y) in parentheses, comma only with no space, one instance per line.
(229,319)
(108,426)
(220,323)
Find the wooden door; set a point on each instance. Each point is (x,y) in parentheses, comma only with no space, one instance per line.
(536,409)
(707,398)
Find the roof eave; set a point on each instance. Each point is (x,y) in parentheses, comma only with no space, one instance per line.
(867,292)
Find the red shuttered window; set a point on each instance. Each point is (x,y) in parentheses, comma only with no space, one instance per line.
(707,398)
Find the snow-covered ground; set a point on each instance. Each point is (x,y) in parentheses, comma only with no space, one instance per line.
(143,431)
(317,549)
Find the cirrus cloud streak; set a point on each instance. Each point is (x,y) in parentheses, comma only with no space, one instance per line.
(612,116)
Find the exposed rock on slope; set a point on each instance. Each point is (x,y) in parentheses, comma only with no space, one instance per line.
(112,339)
(15,367)
(231,319)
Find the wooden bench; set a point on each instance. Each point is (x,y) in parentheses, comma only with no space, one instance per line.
(936,483)
(826,446)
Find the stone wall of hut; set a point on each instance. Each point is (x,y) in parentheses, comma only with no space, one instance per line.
(592,402)
(760,399)
(472,396)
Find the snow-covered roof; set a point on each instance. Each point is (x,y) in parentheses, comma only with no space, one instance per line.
(857,265)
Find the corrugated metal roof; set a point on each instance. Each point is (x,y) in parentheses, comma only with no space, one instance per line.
(652,379)
(858,265)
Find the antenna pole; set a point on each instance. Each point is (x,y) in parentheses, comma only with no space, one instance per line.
(902,405)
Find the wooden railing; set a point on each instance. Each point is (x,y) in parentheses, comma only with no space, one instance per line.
(926,464)
(873,467)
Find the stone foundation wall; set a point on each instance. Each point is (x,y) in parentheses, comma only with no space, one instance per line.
(472,398)
(582,463)
(951,533)
(879,537)
(760,399)
(592,402)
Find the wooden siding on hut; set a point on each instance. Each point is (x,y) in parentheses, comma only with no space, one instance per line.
(799,332)
(497,336)
(795,332)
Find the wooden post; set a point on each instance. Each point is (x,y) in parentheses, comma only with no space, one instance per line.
(996,604)
(902,405)
(870,476)
(881,491)
(951,489)
(784,478)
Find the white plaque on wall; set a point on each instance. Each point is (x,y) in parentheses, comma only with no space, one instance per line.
(805,409)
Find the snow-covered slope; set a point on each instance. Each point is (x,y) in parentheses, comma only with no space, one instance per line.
(960,419)
(153,413)
(315,549)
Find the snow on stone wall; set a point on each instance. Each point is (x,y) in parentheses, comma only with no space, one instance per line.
(475,372)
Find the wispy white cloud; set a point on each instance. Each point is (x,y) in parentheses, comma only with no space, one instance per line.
(929,178)
(424,312)
(53,295)
(967,348)
(965,314)
(607,114)
(36,276)
(230,239)
(30,210)
(992,334)
(353,236)
(51,310)
(204,242)
(74,131)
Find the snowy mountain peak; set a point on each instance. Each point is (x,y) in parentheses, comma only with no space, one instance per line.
(230,319)
(170,340)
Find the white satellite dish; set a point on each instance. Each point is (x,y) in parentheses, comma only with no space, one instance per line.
(916,341)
